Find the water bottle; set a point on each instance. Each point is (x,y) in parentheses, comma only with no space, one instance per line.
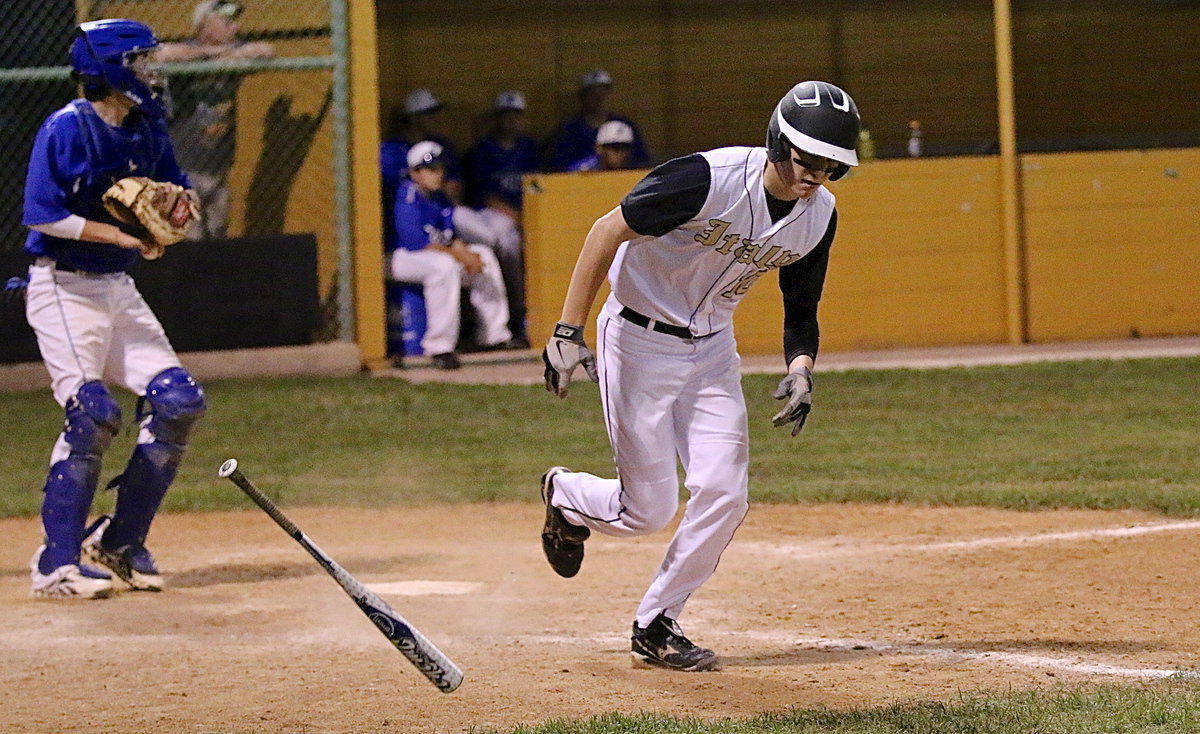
(866,146)
(914,138)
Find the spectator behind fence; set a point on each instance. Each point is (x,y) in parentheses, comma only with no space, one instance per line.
(205,108)
(614,149)
(494,167)
(576,138)
(428,251)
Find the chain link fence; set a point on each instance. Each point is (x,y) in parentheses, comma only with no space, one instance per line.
(257,113)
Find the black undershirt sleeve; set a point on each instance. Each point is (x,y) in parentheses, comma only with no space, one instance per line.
(669,196)
(802,283)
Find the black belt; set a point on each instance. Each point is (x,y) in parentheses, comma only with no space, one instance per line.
(64,268)
(681,332)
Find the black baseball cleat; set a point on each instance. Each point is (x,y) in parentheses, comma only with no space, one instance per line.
(562,541)
(446,361)
(663,644)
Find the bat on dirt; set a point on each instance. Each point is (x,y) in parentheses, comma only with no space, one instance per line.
(428,659)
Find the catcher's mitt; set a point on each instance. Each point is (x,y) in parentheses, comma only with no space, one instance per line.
(156,211)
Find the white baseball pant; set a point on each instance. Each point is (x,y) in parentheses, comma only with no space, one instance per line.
(665,397)
(94,327)
(442,278)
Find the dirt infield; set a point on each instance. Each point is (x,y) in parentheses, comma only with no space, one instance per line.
(836,605)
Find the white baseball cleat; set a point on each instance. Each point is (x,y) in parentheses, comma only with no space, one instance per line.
(69,582)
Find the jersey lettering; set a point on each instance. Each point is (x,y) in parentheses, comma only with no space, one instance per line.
(728,242)
(711,235)
(746,253)
(742,284)
(762,260)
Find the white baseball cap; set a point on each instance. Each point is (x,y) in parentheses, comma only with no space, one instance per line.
(595,78)
(510,100)
(419,101)
(424,153)
(614,132)
(228,8)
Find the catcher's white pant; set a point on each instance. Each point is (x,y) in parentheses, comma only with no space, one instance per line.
(442,278)
(94,327)
(665,397)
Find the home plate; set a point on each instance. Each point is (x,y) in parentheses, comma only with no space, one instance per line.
(424,588)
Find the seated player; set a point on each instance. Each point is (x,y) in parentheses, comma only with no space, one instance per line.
(428,251)
(613,149)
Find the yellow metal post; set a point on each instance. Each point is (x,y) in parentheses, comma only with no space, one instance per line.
(369,307)
(1010,179)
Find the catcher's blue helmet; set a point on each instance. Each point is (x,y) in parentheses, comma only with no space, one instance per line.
(102,56)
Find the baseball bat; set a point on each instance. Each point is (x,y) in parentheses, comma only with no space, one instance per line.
(427,658)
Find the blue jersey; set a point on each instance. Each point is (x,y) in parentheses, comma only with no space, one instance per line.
(393,168)
(576,140)
(421,219)
(591,163)
(76,156)
(493,169)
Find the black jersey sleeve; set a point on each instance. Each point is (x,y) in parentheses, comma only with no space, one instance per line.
(671,194)
(802,283)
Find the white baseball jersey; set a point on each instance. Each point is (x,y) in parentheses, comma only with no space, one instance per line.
(696,274)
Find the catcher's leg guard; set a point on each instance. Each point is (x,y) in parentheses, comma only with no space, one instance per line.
(177,402)
(93,418)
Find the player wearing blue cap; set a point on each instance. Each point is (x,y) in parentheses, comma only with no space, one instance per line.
(92,323)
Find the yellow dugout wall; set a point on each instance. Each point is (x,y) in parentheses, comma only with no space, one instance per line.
(1111,242)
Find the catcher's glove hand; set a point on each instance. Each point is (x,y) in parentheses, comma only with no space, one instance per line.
(796,388)
(157,212)
(563,353)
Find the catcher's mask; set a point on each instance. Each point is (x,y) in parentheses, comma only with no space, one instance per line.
(115,54)
(817,118)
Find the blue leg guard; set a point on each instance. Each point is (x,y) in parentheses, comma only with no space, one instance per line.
(176,402)
(93,418)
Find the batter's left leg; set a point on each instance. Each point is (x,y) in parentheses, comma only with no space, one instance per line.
(711,428)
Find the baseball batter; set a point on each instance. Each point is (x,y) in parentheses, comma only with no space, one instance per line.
(91,323)
(681,250)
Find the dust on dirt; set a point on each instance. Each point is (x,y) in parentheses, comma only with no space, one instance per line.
(839,606)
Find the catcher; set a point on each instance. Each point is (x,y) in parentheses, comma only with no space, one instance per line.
(103,188)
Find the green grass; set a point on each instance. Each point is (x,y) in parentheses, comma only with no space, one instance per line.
(1088,434)
(1162,708)
(1107,434)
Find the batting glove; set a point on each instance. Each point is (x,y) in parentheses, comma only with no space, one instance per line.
(563,353)
(796,388)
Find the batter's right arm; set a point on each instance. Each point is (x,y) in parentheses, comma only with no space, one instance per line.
(599,248)
(566,349)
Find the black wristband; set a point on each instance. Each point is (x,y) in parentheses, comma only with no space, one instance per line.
(568,332)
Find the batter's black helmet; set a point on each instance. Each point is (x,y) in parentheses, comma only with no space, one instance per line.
(817,118)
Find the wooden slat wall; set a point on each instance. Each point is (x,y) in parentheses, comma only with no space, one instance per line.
(1113,244)
(698,74)
(928,61)
(1107,69)
(918,259)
